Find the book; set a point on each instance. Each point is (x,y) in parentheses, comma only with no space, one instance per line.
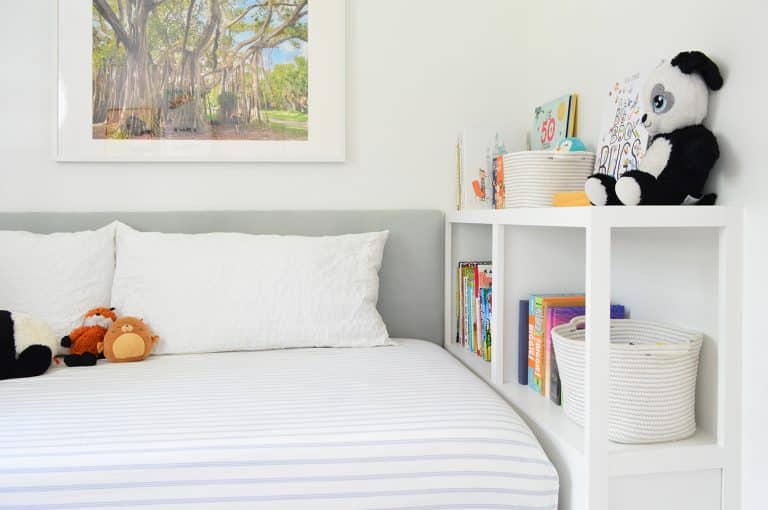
(522,342)
(623,138)
(463,307)
(531,361)
(538,378)
(488,331)
(469,284)
(498,182)
(557,316)
(477,151)
(458,175)
(483,274)
(474,305)
(487,307)
(553,121)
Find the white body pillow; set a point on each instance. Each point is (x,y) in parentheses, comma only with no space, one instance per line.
(229,292)
(56,278)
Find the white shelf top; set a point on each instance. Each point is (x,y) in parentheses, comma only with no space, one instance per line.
(612,216)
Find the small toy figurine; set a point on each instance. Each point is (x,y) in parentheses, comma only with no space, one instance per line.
(570,144)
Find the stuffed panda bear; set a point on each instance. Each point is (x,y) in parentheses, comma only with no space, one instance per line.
(682,151)
(27,345)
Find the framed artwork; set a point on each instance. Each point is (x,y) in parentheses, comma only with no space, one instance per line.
(201,80)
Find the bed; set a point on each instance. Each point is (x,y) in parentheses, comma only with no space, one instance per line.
(306,428)
(404,426)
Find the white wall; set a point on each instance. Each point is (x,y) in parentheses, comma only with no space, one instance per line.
(419,71)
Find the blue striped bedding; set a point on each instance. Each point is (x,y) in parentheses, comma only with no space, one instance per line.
(401,427)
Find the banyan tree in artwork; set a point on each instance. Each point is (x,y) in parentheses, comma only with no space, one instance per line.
(200,69)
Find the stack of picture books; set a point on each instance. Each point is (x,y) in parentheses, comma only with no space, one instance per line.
(474,307)
(537,363)
(477,155)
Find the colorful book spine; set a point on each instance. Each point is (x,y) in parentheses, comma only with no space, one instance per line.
(469,300)
(474,307)
(470,270)
(557,316)
(459,174)
(498,182)
(487,302)
(538,378)
(458,303)
(463,308)
(460,308)
(532,382)
(483,290)
(522,342)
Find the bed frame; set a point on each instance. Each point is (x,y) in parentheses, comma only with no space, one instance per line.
(411,293)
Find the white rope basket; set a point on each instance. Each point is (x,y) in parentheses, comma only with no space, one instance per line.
(652,386)
(531,178)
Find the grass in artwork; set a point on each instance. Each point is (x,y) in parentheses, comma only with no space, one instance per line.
(200,69)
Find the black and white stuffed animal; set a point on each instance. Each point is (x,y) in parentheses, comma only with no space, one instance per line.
(27,345)
(682,151)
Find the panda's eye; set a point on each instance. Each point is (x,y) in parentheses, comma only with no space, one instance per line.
(662,100)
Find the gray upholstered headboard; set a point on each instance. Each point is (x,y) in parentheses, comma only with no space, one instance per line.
(411,295)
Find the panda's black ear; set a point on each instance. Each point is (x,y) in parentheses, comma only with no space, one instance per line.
(696,62)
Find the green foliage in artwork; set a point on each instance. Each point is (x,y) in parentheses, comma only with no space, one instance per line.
(106,50)
(286,86)
(194,65)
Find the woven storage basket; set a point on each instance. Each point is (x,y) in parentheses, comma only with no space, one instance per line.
(531,178)
(652,386)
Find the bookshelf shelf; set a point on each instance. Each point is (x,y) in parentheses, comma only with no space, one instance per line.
(585,458)
(614,217)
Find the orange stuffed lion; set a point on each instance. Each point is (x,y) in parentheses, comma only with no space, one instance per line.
(83,341)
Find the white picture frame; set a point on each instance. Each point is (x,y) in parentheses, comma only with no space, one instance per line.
(326,139)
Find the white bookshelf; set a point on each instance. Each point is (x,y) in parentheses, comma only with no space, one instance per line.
(592,468)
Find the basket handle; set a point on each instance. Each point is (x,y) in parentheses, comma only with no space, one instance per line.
(580,320)
(654,350)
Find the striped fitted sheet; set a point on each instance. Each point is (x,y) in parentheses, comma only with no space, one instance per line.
(400,427)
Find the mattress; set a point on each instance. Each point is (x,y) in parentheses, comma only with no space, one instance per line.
(400,427)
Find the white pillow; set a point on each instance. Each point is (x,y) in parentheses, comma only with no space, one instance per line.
(57,278)
(230,292)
